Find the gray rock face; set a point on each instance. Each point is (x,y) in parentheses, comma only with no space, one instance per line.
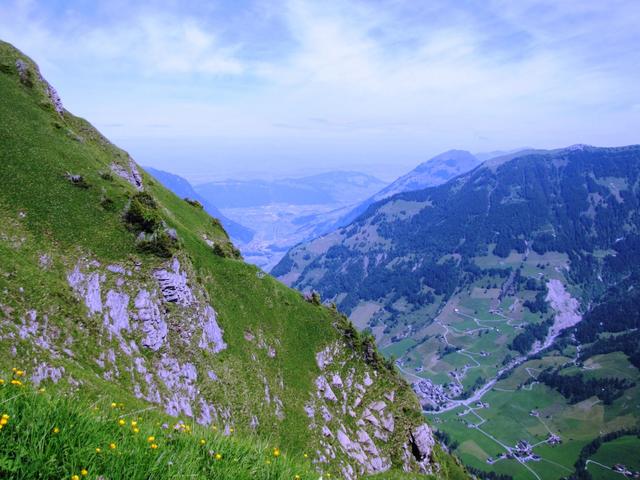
(25,78)
(174,286)
(87,287)
(129,173)
(211,333)
(180,380)
(117,317)
(422,442)
(324,389)
(153,325)
(44,372)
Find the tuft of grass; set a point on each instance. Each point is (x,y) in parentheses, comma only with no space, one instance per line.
(56,436)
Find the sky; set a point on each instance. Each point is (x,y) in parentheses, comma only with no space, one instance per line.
(219,89)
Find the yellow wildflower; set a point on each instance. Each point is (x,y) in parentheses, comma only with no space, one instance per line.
(20,373)
(154,446)
(56,430)
(114,404)
(121,422)
(276,452)
(3,421)
(134,423)
(75,477)
(214,428)
(98,450)
(16,382)
(112,446)
(5,416)
(1,381)
(84,472)
(41,390)
(305,455)
(151,439)
(268,462)
(218,456)
(297,477)
(231,430)
(202,441)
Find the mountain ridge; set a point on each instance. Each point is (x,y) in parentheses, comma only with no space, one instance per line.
(114,287)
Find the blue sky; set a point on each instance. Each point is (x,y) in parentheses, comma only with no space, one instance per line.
(214,89)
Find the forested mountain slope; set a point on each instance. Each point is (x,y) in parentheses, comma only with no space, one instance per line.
(507,296)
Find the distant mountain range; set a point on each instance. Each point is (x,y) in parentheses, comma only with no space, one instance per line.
(513,284)
(435,171)
(335,188)
(182,188)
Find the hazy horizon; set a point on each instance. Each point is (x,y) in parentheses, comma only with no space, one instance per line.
(215,90)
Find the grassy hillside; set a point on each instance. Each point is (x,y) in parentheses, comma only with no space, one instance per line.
(115,290)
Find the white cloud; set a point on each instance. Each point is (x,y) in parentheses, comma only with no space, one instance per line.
(436,76)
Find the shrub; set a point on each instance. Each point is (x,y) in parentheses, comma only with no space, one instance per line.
(226,250)
(195,203)
(142,214)
(159,243)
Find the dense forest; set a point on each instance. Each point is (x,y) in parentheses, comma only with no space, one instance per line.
(576,388)
(551,201)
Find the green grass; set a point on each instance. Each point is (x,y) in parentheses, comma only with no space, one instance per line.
(624,450)
(57,436)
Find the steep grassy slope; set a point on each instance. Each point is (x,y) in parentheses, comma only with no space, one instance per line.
(114,289)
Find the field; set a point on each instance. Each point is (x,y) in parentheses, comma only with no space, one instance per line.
(623,450)
(507,419)
(468,344)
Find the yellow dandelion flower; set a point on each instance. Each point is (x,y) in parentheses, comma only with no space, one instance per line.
(98,450)
(151,439)
(305,455)
(75,477)
(136,430)
(20,373)
(14,369)
(16,382)
(154,446)
(3,421)
(218,456)
(202,441)
(297,477)
(84,472)
(231,430)
(134,423)
(112,446)
(276,452)
(5,416)
(214,428)
(114,404)
(1,381)
(56,430)
(41,390)
(268,462)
